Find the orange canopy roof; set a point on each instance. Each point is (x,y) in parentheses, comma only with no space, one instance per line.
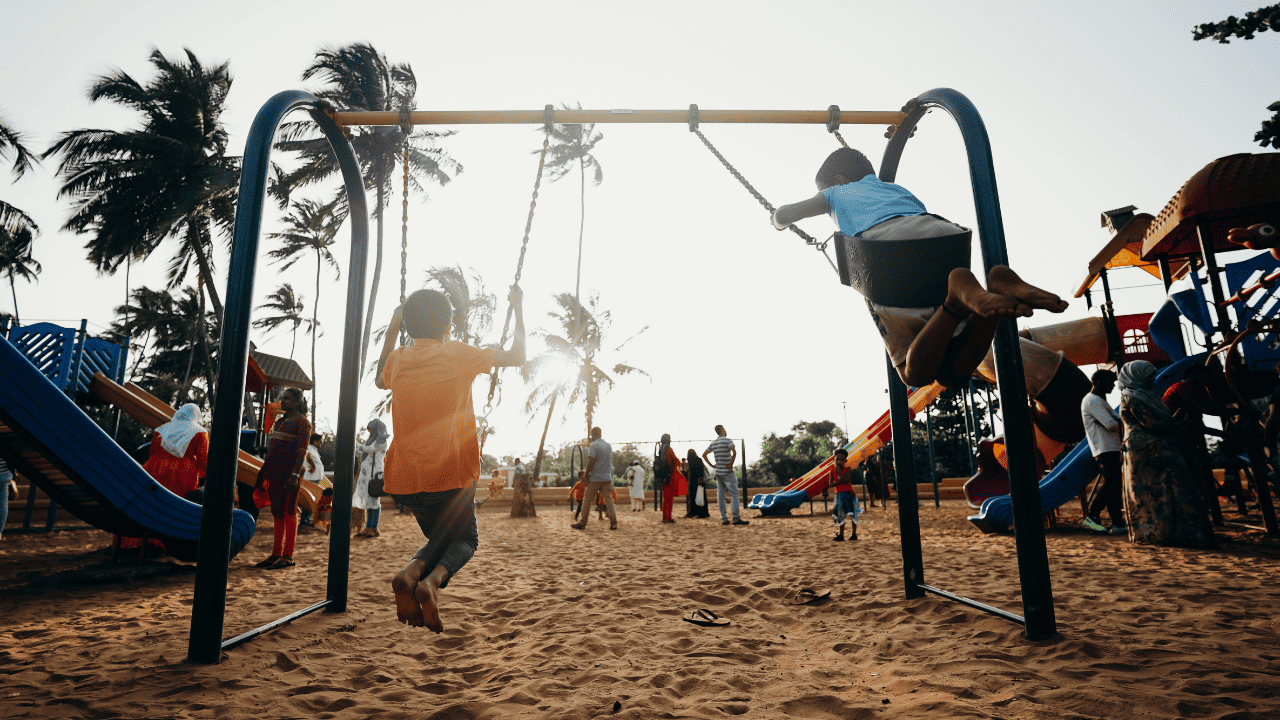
(1230,192)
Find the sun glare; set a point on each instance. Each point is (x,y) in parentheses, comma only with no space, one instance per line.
(558,371)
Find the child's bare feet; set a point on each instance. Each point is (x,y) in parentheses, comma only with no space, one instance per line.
(1004,281)
(404,585)
(425,595)
(966,294)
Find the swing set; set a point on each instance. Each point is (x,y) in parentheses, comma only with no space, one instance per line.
(206,643)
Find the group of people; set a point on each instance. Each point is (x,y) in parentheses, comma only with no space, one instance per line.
(1158,485)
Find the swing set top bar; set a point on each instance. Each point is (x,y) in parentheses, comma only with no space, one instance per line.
(565,117)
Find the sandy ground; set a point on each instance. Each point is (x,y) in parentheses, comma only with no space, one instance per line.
(550,622)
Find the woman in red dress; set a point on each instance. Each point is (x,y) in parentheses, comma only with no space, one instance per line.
(179,451)
(676,485)
(281,474)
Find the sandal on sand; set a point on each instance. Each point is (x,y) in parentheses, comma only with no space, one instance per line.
(576,526)
(283,562)
(808,596)
(268,562)
(706,618)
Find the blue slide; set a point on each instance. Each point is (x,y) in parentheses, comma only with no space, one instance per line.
(1072,475)
(64,453)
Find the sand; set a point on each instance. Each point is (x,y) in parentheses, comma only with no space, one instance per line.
(550,622)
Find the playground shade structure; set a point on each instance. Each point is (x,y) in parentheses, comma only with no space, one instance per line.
(860,448)
(1071,476)
(64,453)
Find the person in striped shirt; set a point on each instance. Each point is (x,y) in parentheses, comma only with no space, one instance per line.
(726,453)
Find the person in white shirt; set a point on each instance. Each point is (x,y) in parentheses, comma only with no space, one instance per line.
(313,466)
(1102,429)
(635,475)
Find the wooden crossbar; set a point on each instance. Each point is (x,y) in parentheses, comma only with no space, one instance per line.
(536,117)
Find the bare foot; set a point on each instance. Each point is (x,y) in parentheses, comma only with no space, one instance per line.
(1005,281)
(965,293)
(408,610)
(425,597)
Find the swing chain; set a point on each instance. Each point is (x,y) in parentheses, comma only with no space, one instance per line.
(833,127)
(809,239)
(524,247)
(406,127)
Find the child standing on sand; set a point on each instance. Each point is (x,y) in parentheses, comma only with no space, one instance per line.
(434,460)
(846,506)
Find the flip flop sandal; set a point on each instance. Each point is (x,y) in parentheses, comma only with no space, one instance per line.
(808,596)
(282,563)
(705,618)
(268,562)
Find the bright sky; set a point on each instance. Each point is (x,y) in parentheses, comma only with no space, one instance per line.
(1089,106)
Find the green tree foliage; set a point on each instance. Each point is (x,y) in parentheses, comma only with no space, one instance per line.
(572,145)
(1260,20)
(358,77)
(786,457)
(169,178)
(170,355)
(17,229)
(952,446)
(288,307)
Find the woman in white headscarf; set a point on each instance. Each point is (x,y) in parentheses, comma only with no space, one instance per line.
(372,454)
(179,451)
(1162,493)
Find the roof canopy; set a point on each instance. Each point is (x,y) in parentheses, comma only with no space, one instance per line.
(1230,192)
(271,371)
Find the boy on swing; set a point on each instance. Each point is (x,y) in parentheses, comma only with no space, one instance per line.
(946,343)
(433,463)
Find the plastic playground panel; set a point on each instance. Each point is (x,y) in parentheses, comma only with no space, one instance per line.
(72,443)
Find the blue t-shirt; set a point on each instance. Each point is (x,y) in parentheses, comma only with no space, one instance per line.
(868,202)
(602,471)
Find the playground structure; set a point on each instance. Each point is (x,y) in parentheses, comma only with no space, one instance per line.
(60,450)
(208,609)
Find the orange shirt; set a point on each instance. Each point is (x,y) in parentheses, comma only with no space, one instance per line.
(435,447)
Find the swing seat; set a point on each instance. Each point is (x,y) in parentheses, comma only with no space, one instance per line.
(902,273)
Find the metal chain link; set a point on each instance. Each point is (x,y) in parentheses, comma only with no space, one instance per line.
(524,248)
(840,138)
(404,236)
(809,239)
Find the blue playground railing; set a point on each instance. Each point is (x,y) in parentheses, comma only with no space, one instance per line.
(67,357)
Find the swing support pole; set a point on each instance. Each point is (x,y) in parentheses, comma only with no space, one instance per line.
(1033,560)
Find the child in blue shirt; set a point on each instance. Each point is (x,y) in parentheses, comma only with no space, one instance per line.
(926,345)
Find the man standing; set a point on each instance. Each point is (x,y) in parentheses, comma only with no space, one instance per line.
(726,453)
(599,480)
(1102,429)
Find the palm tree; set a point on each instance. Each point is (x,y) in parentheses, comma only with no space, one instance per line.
(571,363)
(17,229)
(164,323)
(289,306)
(358,77)
(169,178)
(572,144)
(15,257)
(310,227)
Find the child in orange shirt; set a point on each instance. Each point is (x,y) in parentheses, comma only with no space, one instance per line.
(433,463)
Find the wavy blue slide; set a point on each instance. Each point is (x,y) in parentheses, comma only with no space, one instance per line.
(56,446)
(1071,476)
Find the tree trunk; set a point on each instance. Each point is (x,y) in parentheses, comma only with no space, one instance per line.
(582,222)
(210,371)
(377,275)
(519,500)
(13,289)
(206,274)
(186,378)
(315,323)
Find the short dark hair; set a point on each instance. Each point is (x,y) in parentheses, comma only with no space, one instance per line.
(427,314)
(848,162)
(1101,375)
(316,436)
(841,451)
(596,432)
(720,429)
